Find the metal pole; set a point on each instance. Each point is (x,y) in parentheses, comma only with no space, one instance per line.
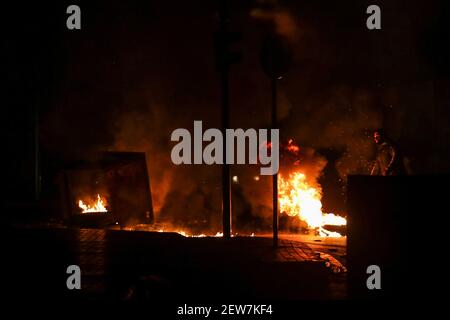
(37,176)
(275,176)
(226,191)
(226,184)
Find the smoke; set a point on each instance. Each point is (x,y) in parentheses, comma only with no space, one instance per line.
(317,114)
(284,23)
(318,104)
(139,89)
(144,131)
(185,196)
(339,119)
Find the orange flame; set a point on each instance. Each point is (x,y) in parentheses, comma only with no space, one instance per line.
(298,198)
(97,206)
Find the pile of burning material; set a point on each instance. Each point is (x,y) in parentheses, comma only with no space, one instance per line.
(300,195)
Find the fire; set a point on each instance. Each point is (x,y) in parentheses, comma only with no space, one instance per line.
(298,198)
(185,234)
(292,147)
(97,206)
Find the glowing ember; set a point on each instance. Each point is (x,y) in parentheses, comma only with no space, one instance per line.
(97,206)
(298,198)
(291,147)
(185,234)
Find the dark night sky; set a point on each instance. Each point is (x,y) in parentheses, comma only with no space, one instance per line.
(139,69)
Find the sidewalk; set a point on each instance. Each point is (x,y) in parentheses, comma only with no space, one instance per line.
(132,265)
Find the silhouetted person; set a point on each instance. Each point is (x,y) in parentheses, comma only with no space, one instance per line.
(388,161)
